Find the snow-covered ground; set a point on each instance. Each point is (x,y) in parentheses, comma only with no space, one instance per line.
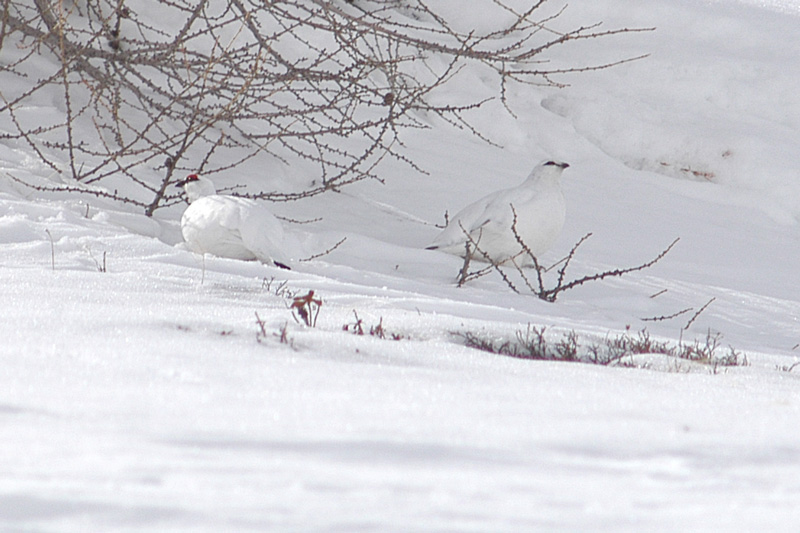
(144,398)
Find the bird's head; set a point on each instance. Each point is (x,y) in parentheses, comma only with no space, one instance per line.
(196,187)
(547,170)
(187,179)
(555,165)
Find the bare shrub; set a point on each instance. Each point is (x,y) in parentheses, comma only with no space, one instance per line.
(531,343)
(534,343)
(538,286)
(207,85)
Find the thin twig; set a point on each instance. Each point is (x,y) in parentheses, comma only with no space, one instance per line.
(326,252)
(551,294)
(52,250)
(667,317)
(697,314)
(486,257)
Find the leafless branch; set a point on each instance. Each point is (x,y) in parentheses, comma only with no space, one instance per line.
(331,83)
(326,252)
(667,317)
(698,313)
(539,289)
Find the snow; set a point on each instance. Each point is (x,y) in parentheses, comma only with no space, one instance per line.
(141,398)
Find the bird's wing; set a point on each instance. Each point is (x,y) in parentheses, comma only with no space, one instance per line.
(211,225)
(223,210)
(493,211)
(262,233)
(469,219)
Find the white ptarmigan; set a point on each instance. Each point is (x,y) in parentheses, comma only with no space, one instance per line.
(228,226)
(540,208)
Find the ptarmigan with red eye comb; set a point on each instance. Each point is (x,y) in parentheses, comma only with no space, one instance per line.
(540,208)
(228,226)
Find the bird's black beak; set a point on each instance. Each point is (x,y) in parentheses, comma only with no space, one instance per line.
(564,165)
(181,183)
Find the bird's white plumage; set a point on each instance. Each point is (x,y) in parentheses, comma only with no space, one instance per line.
(540,209)
(227,226)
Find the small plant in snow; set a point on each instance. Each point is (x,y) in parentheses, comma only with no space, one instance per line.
(281,290)
(282,335)
(52,249)
(567,347)
(733,358)
(99,263)
(533,343)
(357,328)
(261,334)
(787,368)
(306,309)
(615,349)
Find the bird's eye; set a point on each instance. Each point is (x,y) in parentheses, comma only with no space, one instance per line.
(551,163)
